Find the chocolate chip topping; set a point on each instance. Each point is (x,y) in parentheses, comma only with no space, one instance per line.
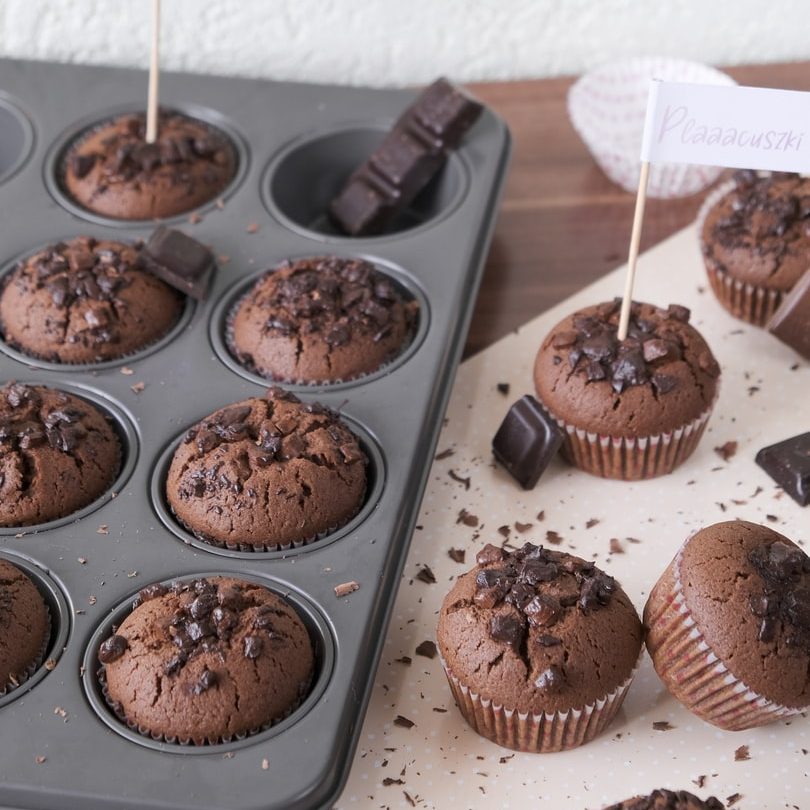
(551,679)
(784,569)
(333,296)
(126,155)
(763,208)
(592,348)
(520,578)
(112,648)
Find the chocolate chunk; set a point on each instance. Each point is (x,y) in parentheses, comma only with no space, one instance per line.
(788,463)
(81,165)
(409,156)
(179,260)
(508,628)
(489,554)
(791,321)
(427,649)
(112,649)
(542,610)
(253,646)
(664,383)
(526,441)
(550,680)
(679,313)
(206,681)
(544,640)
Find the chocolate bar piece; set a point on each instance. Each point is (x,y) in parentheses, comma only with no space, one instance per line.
(788,463)
(791,321)
(179,260)
(411,154)
(526,441)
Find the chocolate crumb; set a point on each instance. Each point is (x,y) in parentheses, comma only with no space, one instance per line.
(406,660)
(733,799)
(503,388)
(467,518)
(457,554)
(345,588)
(427,649)
(389,780)
(444,454)
(459,479)
(424,574)
(504,530)
(700,781)
(591,522)
(726,451)
(616,546)
(742,754)
(522,527)
(553,538)
(662,725)
(399,720)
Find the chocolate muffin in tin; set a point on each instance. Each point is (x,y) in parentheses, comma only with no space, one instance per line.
(319,320)
(58,453)
(25,627)
(85,301)
(206,661)
(663,799)
(114,172)
(266,473)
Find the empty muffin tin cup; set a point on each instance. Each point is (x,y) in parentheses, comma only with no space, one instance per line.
(225,309)
(124,428)
(375,483)
(308,173)
(183,320)
(59,614)
(323,645)
(16,138)
(54,170)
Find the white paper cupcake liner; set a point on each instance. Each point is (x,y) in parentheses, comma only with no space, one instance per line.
(607,107)
(752,303)
(631,458)
(692,673)
(537,733)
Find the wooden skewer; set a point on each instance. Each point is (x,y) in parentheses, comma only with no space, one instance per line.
(152,102)
(635,238)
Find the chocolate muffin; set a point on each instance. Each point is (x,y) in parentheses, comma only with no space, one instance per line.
(58,453)
(755,238)
(631,409)
(729,625)
(668,800)
(112,171)
(25,627)
(267,473)
(539,647)
(85,301)
(322,319)
(206,661)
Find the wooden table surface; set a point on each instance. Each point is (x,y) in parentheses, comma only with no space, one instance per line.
(562,223)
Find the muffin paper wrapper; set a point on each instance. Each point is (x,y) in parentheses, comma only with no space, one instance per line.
(691,671)
(538,733)
(631,458)
(21,678)
(118,711)
(752,303)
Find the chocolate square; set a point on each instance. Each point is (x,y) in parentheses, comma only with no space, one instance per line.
(179,260)
(791,321)
(526,441)
(788,463)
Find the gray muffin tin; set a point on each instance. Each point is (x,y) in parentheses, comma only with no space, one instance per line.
(296,143)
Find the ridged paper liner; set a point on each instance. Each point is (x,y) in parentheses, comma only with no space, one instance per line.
(392,357)
(538,733)
(21,678)
(631,458)
(692,673)
(118,710)
(752,303)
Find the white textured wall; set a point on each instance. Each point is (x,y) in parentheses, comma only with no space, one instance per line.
(404,41)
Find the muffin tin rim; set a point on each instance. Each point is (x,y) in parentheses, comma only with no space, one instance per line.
(325,648)
(12,104)
(128,434)
(455,159)
(61,619)
(188,310)
(54,157)
(235,292)
(376,461)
